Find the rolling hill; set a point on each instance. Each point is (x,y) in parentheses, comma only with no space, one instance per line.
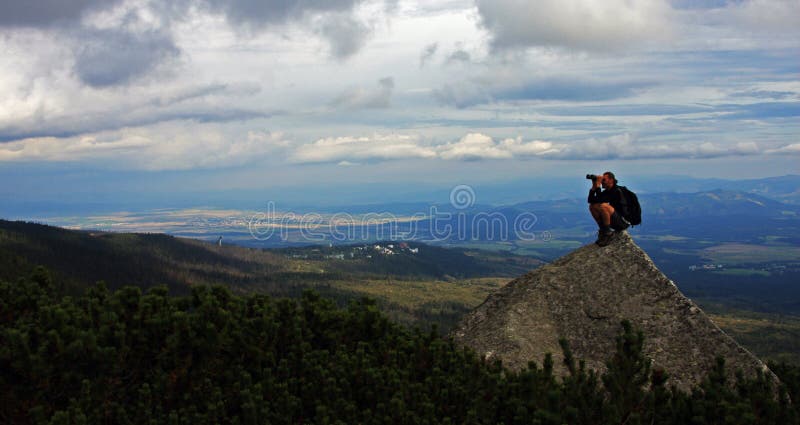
(436,283)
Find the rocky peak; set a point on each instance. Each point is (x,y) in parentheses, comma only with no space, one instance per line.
(582,297)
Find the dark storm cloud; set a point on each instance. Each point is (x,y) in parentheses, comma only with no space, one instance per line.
(250,13)
(113,57)
(335,20)
(258,13)
(42,13)
(102,57)
(698,4)
(119,56)
(345,34)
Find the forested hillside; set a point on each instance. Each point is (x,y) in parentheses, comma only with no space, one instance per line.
(144,259)
(82,258)
(436,285)
(126,356)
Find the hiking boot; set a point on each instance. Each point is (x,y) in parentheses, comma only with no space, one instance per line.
(604,237)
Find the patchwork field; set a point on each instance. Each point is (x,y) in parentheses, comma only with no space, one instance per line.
(771,337)
(750,253)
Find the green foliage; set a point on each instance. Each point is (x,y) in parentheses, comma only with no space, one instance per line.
(128,356)
(628,372)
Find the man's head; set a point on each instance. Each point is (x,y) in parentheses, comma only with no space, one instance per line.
(609,180)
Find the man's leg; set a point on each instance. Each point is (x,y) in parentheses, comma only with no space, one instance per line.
(603,219)
(606,210)
(594,209)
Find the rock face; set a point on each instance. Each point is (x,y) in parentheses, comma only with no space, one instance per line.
(583,297)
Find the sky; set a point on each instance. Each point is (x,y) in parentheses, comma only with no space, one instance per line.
(114,99)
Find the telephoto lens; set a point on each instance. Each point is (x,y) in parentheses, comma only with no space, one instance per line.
(591,177)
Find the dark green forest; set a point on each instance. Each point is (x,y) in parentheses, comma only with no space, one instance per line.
(143,259)
(78,259)
(128,357)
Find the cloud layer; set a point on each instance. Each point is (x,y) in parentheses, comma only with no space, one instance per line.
(478,146)
(164,147)
(420,86)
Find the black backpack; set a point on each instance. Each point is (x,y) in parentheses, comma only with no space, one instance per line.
(631,209)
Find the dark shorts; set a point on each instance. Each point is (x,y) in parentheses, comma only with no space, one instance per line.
(617,222)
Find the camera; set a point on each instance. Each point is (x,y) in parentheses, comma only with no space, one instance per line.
(591,177)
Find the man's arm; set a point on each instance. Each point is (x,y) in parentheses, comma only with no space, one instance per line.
(596,195)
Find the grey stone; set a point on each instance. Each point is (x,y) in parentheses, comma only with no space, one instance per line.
(582,297)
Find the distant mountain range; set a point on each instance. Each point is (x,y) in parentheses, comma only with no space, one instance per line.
(715,216)
(679,204)
(718,211)
(396,197)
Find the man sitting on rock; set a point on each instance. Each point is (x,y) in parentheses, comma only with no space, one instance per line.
(604,206)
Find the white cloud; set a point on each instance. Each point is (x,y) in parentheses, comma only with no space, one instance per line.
(579,24)
(478,146)
(793,148)
(79,112)
(612,25)
(532,148)
(70,149)
(473,146)
(164,147)
(375,147)
(627,147)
